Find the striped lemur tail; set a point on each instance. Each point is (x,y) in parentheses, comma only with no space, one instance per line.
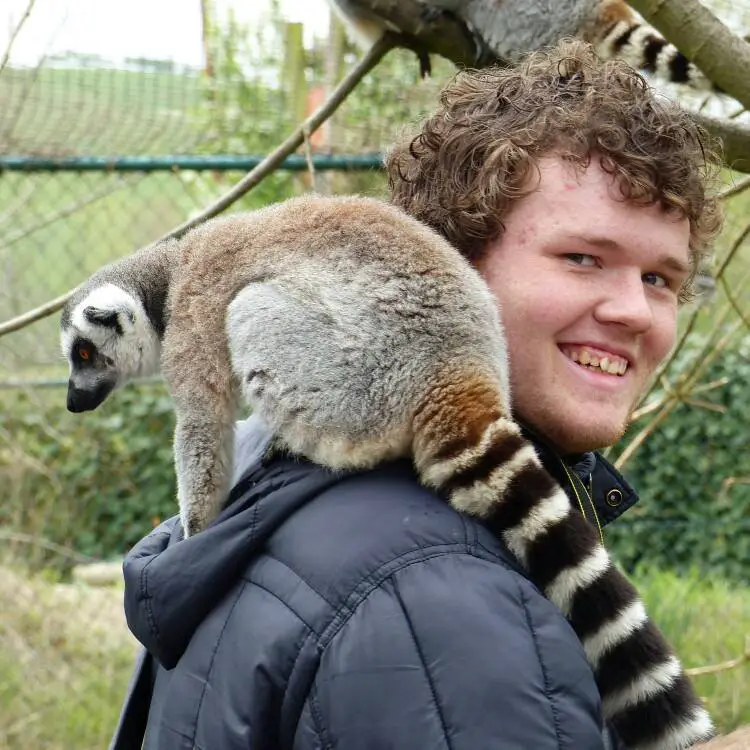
(616,32)
(468,449)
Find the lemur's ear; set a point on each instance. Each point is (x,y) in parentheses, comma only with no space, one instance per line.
(102,316)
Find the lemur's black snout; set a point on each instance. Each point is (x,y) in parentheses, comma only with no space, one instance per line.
(86,399)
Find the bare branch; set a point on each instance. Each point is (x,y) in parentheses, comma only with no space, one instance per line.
(685,388)
(736,245)
(733,190)
(640,438)
(309,159)
(37,541)
(15,33)
(705,40)
(71,208)
(374,55)
(735,137)
(724,666)
(19,202)
(43,311)
(733,301)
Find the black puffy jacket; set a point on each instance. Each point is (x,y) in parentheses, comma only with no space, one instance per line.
(355,612)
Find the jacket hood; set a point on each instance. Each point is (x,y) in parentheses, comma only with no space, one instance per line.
(172,583)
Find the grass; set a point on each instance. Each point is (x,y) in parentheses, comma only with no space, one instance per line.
(65,660)
(66,656)
(707,622)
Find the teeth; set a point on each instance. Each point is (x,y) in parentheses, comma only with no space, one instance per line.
(605,364)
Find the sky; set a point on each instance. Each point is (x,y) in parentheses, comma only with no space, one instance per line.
(115,29)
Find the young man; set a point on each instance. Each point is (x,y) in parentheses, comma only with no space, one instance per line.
(361,611)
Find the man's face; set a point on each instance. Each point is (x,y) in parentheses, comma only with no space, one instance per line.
(584,279)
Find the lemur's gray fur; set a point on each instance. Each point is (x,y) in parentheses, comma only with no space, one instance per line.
(358,334)
(508,29)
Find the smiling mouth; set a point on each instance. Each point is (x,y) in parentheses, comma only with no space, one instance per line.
(609,364)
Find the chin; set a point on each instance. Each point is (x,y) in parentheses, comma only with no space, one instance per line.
(592,440)
(583,438)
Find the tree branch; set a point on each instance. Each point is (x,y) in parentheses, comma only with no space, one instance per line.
(705,40)
(735,137)
(16,31)
(373,56)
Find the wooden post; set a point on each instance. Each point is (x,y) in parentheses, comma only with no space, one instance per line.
(294,83)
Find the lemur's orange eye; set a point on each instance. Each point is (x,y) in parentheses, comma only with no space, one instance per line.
(84,352)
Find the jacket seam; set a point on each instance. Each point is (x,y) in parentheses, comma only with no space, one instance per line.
(311,632)
(512,565)
(375,575)
(376,579)
(212,660)
(146,598)
(310,628)
(471,537)
(301,578)
(316,715)
(542,666)
(373,581)
(430,681)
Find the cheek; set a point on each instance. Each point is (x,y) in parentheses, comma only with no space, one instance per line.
(663,337)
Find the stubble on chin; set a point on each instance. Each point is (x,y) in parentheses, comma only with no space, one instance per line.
(569,438)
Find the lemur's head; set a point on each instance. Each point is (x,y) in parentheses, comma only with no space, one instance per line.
(108,339)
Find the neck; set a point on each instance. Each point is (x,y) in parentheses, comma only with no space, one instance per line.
(155,268)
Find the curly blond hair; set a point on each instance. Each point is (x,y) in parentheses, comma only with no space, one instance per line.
(479,151)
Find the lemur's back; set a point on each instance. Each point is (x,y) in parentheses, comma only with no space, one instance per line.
(367,303)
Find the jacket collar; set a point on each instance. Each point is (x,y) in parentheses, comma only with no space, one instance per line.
(587,477)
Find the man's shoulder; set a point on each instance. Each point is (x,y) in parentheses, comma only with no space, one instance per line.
(355,531)
(364,527)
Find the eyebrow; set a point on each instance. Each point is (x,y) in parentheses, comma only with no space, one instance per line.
(666,261)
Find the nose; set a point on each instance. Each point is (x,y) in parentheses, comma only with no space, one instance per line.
(78,399)
(82,399)
(624,301)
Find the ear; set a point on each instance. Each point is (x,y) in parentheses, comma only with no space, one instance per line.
(102,316)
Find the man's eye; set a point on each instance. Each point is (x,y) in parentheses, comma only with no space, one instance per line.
(655,279)
(581,259)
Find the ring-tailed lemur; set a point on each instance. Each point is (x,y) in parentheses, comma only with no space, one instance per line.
(358,334)
(510,28)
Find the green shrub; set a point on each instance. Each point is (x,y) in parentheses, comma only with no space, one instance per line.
(692,475)
(95,482)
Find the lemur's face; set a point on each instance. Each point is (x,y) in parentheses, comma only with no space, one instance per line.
(93,375)
(107,341)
